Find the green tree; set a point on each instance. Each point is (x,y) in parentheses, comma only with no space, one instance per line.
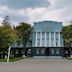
(7,34)
(24,32)
(67,35)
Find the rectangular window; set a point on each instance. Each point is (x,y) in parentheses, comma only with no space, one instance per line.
(47,39)
(43,39)
(38,35)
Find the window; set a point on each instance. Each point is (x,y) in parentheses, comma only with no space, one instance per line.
(52,51)
(38,43)
(43,43)
(47,33)
(47,38)
(52,38)
(43,33)
(56,39)
(57,52)
(56,33)
(43,39)
(37,51)
(56,44)
(38,35)
(38,39)
(42,51)
(52,33)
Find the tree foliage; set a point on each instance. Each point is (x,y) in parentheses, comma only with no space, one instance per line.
(67,35)
(7,35)
(24,32)
(6,21)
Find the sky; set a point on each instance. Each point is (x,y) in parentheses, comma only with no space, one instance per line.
(31,11)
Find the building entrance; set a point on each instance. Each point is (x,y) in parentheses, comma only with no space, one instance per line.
(55,51)
(51,51)
(47,51)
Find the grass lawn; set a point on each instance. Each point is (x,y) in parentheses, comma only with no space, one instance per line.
(69,58)
(11,60)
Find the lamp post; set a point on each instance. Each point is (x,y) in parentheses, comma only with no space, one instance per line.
(8,53)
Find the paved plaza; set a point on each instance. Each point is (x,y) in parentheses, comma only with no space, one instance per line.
(37,65)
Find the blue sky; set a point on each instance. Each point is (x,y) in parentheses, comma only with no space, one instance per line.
(36,10)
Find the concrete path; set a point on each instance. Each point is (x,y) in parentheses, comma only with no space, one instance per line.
(37,65)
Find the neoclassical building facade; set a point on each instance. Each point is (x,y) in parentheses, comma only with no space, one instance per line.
(46,39)
(47,34)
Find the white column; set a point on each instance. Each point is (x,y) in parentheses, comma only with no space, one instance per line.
(36,40)
(49,39)
(54,38)
(40,39)
(45,40)
(59,39)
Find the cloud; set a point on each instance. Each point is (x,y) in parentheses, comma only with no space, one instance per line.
(14,15)
(35,14)
(64,8)
(19,4)
(40,14)
(62,3)
(1,20)
(36,10)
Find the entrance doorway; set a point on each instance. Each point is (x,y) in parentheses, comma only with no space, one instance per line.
(47,51)
(56,51)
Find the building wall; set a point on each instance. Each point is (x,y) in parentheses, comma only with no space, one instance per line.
(47,34)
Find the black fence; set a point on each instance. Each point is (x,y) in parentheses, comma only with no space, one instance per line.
(36,51)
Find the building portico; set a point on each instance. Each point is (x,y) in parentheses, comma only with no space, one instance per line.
(48,38)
